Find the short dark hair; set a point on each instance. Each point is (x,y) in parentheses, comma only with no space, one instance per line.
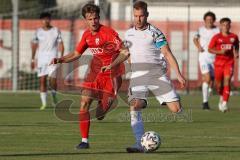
(45,15)
(90,8)
(209,14)
(225,19)
(140,5)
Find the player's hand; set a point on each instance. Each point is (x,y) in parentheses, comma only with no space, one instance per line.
(105,68)
(55,61)
(181,80)
(32,64)
(200,49)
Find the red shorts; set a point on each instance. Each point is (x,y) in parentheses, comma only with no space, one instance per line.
(102,84)
(223,70)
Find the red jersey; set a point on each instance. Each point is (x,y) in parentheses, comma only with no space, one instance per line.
(104,46)
(228,42)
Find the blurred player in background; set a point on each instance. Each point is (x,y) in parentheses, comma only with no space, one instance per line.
(206,59)
(47,42)
(226,46)
(149,51)
(105,45)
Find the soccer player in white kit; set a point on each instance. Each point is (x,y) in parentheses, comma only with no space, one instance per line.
(47,42)
(149,51)
(206,59)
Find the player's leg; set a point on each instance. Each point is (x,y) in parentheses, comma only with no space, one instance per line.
(226,85)
(137,100)
(110,87)
(53,82)
(206,83)
(84,120)
(166,93)
(206,80)
(42,74)
(43,91)
(218,75)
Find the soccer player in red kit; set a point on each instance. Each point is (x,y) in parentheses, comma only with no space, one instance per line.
(226,46)
(105,46)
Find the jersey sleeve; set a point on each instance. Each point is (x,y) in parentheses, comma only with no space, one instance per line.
(159,39)
(82,45)
(213,42)
(59,36)
(35,37)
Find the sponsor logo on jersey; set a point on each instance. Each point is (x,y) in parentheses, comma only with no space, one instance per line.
(226,46)
(232,40)
(97,41)
(96,50)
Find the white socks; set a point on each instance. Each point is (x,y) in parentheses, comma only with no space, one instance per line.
(85,140)
(137,125)
(205,92)
(43,96)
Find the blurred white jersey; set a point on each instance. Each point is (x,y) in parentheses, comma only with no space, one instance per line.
(205,35)
(145,45)
(47,44)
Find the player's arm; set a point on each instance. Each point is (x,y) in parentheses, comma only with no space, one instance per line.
(72,56)
(61,48)
(216,51)
(197,42)
(60,43)
(34,46)
(173,63)
(236,49)
(122,56)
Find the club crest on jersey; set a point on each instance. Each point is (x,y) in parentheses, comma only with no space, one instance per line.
(232,40)
(220,40)
(97,41)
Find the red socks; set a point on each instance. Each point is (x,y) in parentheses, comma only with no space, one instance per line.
(226,93)
(84,123)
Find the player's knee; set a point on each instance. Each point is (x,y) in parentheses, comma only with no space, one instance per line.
(137,104)
(175,107)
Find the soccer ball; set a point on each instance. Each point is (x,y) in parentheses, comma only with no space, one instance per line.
(150,141)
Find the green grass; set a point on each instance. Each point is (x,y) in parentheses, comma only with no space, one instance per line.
(27,133)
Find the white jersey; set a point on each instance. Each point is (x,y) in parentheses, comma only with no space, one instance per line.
(205,35)
(47,44)
(145,45)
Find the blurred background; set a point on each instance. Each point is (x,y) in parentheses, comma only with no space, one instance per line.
(177,19)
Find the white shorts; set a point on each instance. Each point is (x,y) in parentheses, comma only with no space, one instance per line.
(163,92)
(49,70)
(206,64)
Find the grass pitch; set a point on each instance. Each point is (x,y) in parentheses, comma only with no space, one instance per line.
(28,133)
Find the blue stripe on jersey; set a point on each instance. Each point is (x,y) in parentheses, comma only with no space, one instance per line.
(160,44)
